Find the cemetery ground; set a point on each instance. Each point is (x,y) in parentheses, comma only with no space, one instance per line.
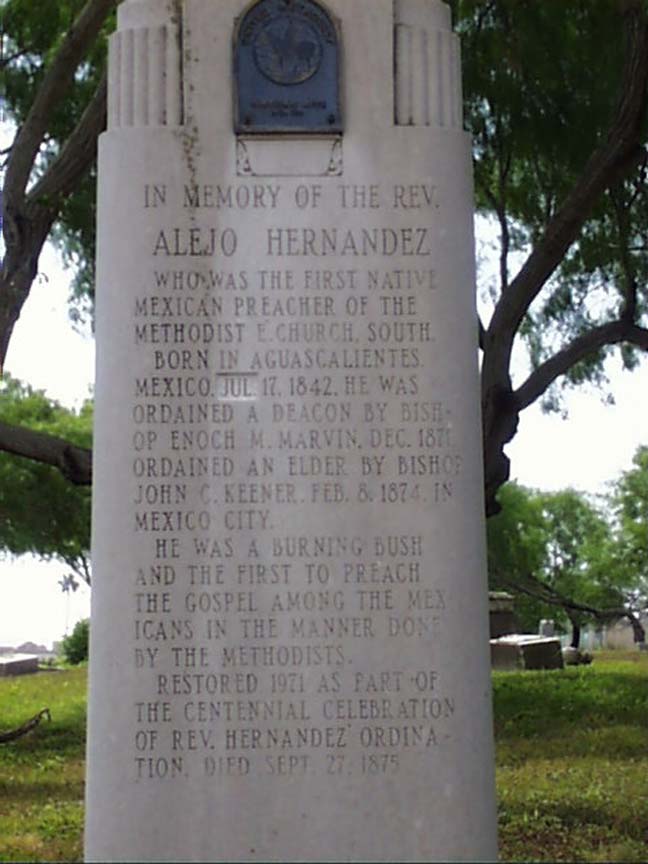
(572,763)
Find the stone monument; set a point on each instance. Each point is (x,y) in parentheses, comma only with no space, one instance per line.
(289,642)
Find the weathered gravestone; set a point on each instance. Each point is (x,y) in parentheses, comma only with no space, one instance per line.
(289,648)
(526,651)
(547,627)
(18,664)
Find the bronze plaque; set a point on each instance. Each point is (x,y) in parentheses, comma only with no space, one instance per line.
(287,69)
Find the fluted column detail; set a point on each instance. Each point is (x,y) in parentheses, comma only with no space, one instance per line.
(427,66)
(145,77)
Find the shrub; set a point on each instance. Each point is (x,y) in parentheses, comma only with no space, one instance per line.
(75,646)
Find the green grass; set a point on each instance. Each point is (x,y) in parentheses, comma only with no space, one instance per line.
(41,775)
(572,764)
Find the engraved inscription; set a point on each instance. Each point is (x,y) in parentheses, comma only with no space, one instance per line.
(289,658)
(278,405)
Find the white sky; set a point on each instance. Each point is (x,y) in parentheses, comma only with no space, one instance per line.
(49,354)
(597,441)
(591,448)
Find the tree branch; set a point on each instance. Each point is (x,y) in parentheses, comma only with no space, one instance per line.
(505,236)
(581,347)
(539,591)
(58,78)
(24,240)
(77,154)
(85,571)
(482,333)
(75,463)
(14,734)
(11,58)
(483,11)
(619,151)
(29,218)
(621,212)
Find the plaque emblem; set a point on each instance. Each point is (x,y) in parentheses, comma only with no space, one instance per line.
(287,50)
(287,68)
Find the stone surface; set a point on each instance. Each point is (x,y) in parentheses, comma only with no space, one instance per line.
(547,627)
(501,614)
(505,655)
(575,657)
(288,534)
(18,664)
(542,654)
(526,651)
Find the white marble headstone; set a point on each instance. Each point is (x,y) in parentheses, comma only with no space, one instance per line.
(289,641)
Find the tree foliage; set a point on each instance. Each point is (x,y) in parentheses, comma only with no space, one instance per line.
(579,552)
(516,547)
(556,102)
(75,646)
(32,43)
(555,97)
(40,511)
(630,503)
(55,90)
(563,556)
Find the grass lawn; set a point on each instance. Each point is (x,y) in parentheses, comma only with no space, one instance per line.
(572,761)
(41,775)
(572,764)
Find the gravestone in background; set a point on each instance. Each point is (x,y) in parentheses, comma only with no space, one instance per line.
(289,645)
(18,664)
(526,651)
(547,627)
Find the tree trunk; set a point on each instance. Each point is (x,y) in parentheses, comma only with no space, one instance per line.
(25,233)
(576,633)
(638,629)
(616,155)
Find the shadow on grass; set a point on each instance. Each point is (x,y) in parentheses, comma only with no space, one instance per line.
(32,792)
(554,842)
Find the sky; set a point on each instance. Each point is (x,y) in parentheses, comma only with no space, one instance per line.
(585,451)
(49,354)
(594,441)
